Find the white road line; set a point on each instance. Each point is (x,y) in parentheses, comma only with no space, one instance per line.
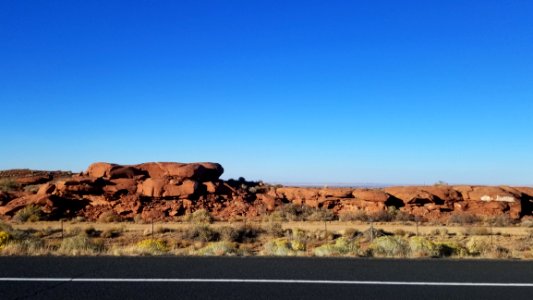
(284,281)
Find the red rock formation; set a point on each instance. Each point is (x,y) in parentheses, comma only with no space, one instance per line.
(163,190)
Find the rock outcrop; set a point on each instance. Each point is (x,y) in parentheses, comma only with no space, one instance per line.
(164,190)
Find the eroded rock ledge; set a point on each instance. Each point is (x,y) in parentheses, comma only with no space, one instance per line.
(164,190)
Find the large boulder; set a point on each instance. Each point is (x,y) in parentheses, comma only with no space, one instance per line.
(200,172)
(371,195)
(100,169)
(185,190)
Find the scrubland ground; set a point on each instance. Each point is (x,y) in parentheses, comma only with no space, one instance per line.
(198,235)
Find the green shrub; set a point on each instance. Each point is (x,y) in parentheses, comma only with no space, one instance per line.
(282,247)
(478,245)
(30,213)
(200,216)
(342,246)
(218,249)
(152,246)
(422,247)
(79,245)
(390,246)
(4,238)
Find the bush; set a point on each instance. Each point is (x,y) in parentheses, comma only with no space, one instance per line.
(274,229)
(8,185)
(477,231)
(321,214)
(218,249)
(463,219)
(282,247)
(111,233)
(390,246)
(109,217)
(30,213)
(358,215)
(200,216)
(203,233)
(151,247)
(450,248)
(342,246)
(79,245)
(478,246)
(4,238)
(500,221)
(422,247)
(242,234)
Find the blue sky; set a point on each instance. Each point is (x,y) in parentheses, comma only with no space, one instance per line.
(396,92)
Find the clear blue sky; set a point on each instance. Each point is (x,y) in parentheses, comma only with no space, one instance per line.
(402,92)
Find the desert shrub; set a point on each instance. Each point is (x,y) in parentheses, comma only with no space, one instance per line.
(478,246)
(422,247)
(390,246)
(381,216)
(33,188)
(274,229)
(282,247)
(463,219)
(500,221)
(526,222)
(321,214)
(29,246)
(79,245)
(111,233)
(30,213)
(402,216)
(4,238)
(8,185)
(242,234)
(152,247)
(341,246)
(351,233)
(109,217)
(276,216)
(476,231)
(202,233)
(92,232)
(451,248)
(200,216)
(358,215)
(373,233)
(218,249)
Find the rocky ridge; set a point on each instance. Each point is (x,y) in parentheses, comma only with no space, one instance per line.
(165,190)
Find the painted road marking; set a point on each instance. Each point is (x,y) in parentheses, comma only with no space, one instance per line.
(285,281)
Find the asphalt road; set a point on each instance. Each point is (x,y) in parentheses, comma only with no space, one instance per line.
(261,278)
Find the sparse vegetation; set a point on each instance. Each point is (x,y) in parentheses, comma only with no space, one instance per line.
(8,185)
(269,238)
(30,213)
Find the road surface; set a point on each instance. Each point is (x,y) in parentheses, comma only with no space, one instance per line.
(261,278)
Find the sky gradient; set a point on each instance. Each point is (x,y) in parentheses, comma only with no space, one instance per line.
(391,92)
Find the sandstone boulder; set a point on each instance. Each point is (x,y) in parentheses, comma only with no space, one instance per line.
(372,195)
(100,169)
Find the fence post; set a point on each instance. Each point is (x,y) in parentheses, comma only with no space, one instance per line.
(371,230)
(326,230)
(62,230)
(152,228)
